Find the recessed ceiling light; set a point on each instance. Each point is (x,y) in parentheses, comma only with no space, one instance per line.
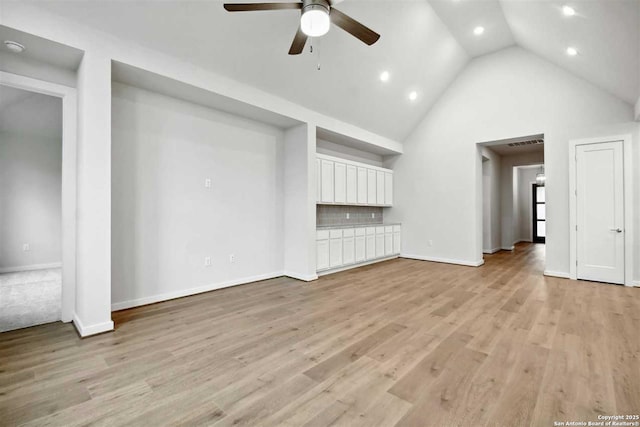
(14,46)
(478,31)
(568,11)
(384,76)
(413,95)
(572,51)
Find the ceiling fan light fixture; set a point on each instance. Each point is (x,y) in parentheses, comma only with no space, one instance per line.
(315,21)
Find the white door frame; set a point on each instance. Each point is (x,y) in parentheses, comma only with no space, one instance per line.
(69,178)
(628,204)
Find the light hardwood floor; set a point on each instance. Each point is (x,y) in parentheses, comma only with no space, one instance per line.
(398,343)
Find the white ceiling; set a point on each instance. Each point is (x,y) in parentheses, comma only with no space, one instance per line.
(424,45)
(462,16)
(416,48)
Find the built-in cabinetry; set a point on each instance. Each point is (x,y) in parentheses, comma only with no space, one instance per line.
(338,248)
(344,182)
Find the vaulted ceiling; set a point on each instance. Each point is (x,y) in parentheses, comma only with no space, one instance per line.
(425,44)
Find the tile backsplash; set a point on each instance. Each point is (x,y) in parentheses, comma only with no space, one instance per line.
(337,215)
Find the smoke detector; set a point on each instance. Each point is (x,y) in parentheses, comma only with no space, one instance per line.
(14,46)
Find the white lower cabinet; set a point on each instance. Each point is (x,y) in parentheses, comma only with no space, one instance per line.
(343,247)
(335,248)
(360,245)
(388,240)
(379,242)
(322,250)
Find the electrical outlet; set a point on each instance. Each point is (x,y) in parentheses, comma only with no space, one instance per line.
(207,261)
(373,214)
(207,183)
(430,242)
(26,247)
(232,258)
(347,215)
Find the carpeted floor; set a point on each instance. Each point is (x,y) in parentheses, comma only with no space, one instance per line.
(29,298)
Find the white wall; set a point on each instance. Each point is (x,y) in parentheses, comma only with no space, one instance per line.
(300,202)
(507,94)
(35,69)
(165,222)
(30,200)
(509,190)
(491,193)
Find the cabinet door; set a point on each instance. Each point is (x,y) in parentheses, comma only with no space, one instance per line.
(380,187)
(388,189)
(327,181)
(371,187)
(360,253)
(388,243)
(335,253)
(340,194)
(362,186)
(379,245)
(371,246)
(322,254)
(318,181)
(396,242)
(348,250)
(352,184)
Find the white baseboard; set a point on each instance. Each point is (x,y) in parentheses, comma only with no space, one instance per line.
(490,251)
(122,305)
(636,283)
(560,274)
(444,260)
(30,267)
(303,277)
(360,264)
(508,248)
(86,331)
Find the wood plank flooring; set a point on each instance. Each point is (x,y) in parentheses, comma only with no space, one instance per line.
(406,343)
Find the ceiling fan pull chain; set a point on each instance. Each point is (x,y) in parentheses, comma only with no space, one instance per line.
(318,55)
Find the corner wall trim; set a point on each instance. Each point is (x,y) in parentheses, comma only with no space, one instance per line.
(490,251)
(31,267)
(303,277)
(86,331)
(123,305)
(444,260)
(560,274)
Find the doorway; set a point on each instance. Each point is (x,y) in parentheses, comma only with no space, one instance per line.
(27,260)
(538,213)
(30,208)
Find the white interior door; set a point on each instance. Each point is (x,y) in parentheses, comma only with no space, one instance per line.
(600,212)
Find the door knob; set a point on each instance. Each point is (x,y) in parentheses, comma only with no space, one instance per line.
(617,230)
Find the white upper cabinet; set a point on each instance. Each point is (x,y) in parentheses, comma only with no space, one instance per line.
(318,181)
(340,194)
(362,185)
(388,188)
(327,181)
(345,182)
(352,185)
(371,187)
(380,187)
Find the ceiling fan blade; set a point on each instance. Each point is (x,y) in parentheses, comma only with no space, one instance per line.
(250,7)
(353,27)
(299,41)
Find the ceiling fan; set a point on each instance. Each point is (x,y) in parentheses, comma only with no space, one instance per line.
(315,20)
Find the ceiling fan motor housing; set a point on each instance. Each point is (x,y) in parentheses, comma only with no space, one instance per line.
(308,5)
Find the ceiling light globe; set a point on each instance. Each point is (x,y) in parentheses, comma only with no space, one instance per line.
(384,76)
(478,31)
(568,11)
(14,46)
(572,51)
(315,21)
(413,95)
